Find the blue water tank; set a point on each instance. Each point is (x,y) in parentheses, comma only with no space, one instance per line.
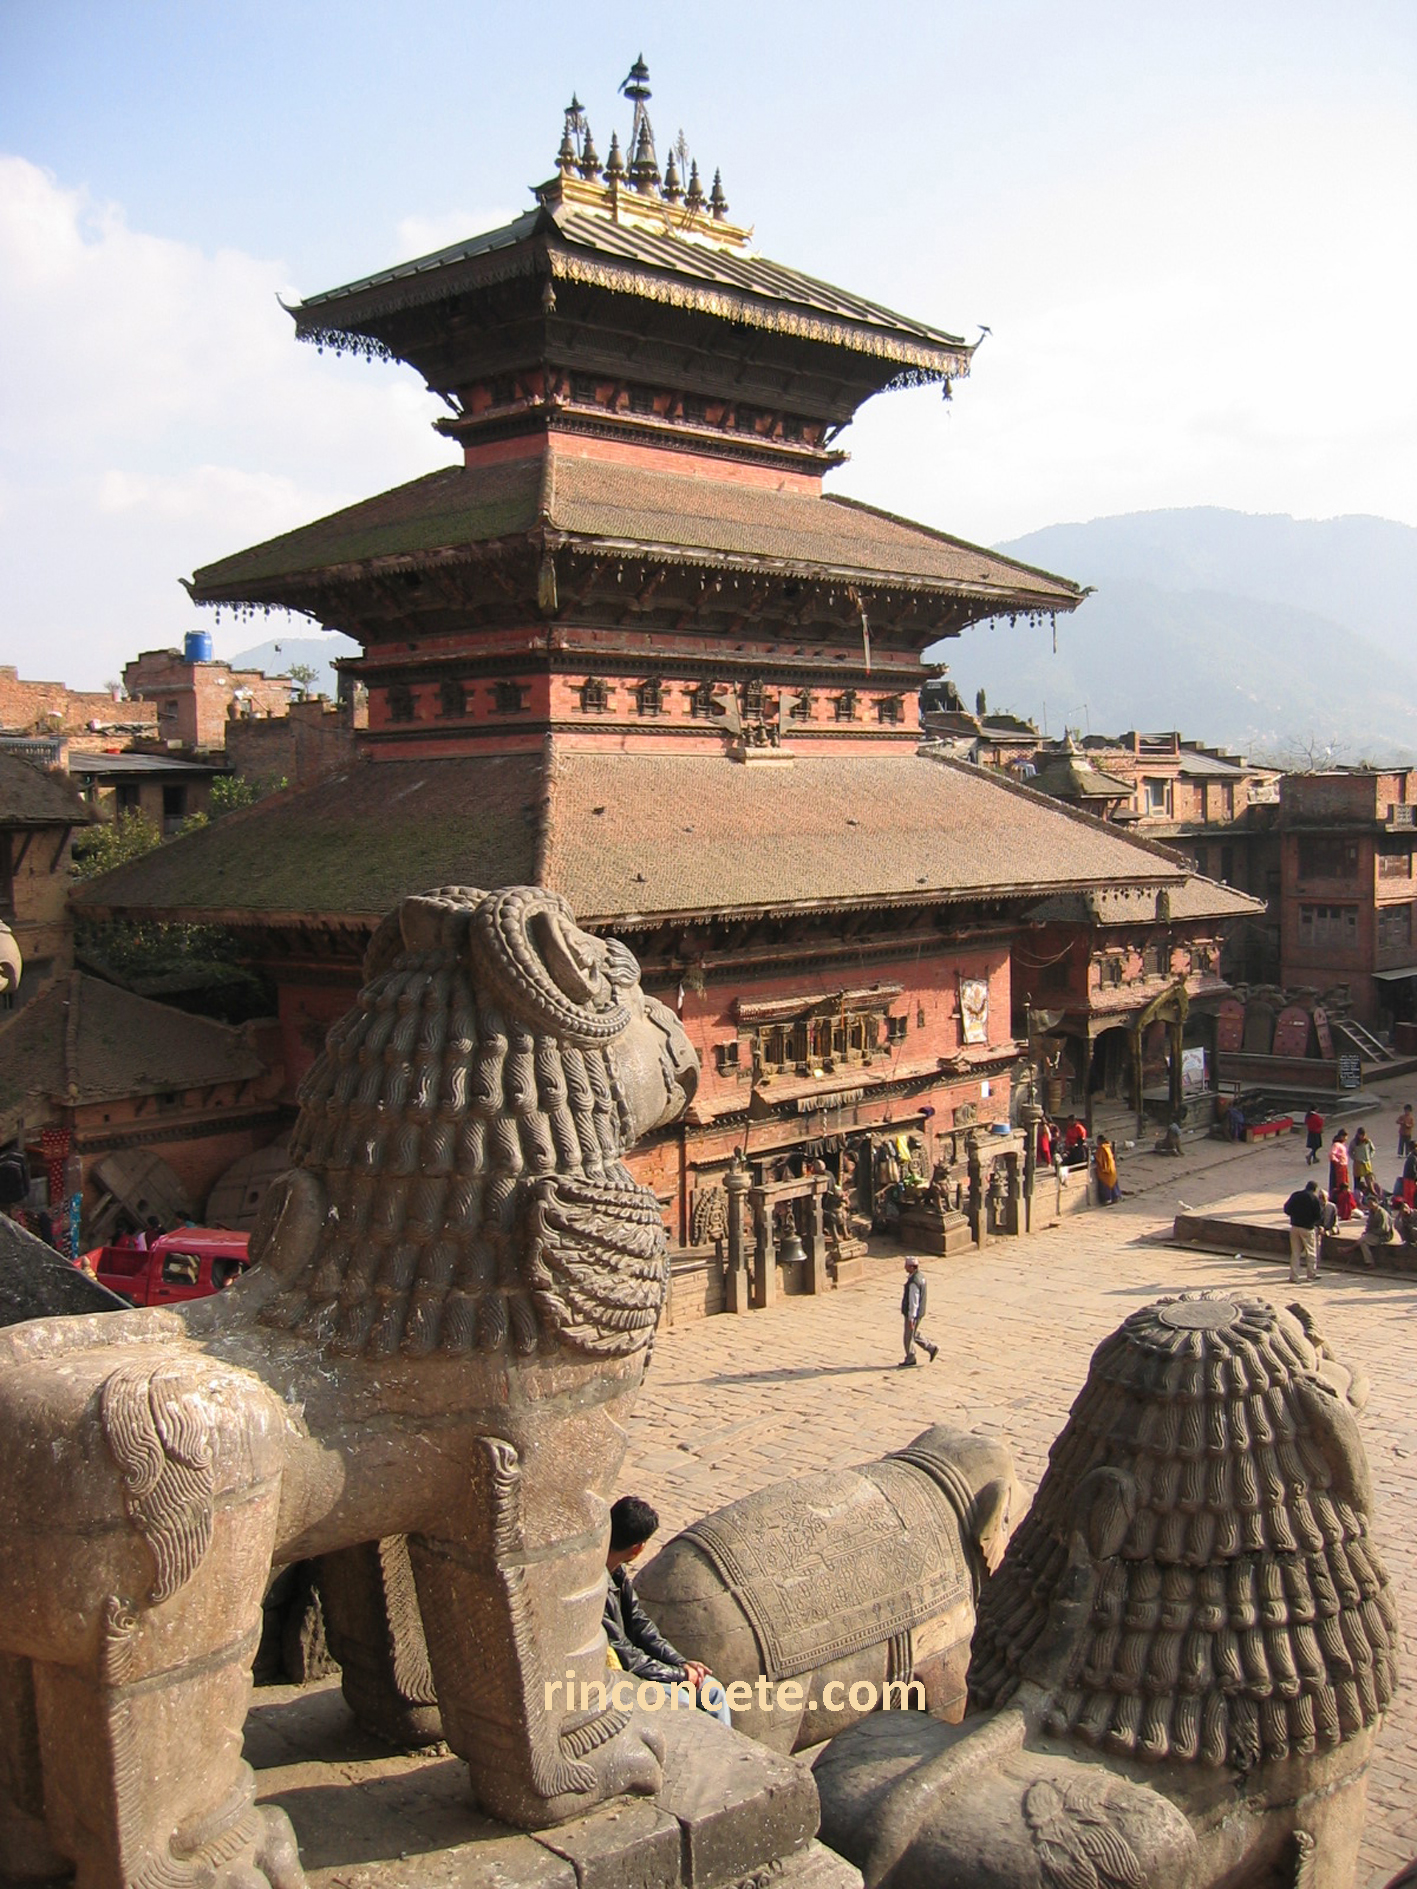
(198,646)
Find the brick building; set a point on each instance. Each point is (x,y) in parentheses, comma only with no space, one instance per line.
(631,648)
(40,811)
(162,787)
(122,1075)
(315,739)
(49,708)
(194,696)
(1347,840)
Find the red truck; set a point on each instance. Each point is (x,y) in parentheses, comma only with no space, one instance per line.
(188,1264)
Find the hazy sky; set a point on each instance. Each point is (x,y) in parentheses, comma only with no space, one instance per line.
(1191,228)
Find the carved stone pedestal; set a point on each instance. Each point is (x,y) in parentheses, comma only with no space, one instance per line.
(849,1261)
(934,1230)
(730,1812)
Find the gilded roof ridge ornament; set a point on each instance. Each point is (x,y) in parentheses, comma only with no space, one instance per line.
(629,188)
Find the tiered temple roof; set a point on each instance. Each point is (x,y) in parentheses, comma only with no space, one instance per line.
(645,836)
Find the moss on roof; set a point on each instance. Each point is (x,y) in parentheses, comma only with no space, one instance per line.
(625,835)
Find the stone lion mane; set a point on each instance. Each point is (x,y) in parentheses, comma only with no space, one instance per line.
(1241,1612)
(467,1121)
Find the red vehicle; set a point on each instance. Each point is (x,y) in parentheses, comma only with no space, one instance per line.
(191,1263)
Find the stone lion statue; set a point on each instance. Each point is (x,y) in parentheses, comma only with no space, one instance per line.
(1180,1667)
(458,1285)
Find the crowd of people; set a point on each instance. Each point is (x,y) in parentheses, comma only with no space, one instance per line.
(1353,1189)
(1068,1148)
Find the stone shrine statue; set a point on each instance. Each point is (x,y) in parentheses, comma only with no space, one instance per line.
(1180,1667)
(457,1287)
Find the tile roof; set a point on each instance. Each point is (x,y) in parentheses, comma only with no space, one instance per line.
(1193,897)
(82,1040)
(31,796)
(352,845)
(597,503)
(96,762)
(627,257)
(625,835)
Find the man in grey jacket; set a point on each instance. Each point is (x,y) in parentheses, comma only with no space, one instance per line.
(912,1306)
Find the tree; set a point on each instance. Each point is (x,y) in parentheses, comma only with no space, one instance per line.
(302,674)
(981,704)
(101,848)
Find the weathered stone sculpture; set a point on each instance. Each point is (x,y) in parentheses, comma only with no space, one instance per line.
(457,1287)
(1180,1666)
(863,1578)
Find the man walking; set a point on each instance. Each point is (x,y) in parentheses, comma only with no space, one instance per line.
(1305,1209)
(912,1306)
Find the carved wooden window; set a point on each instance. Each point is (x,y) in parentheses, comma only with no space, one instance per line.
(897,1029)
(889,710)
(821,1040)
(509,698)
(1110,973)
(1156,960)
(400,698)
(703,703)
(1328,927)
(1394,865)
(595,696)
(1325,857)
(801,709)
(1394,927)
(846,705)
(452,698)
(753,698)
(726,1056)
(649,696)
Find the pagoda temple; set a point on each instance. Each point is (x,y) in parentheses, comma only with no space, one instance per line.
(625,643)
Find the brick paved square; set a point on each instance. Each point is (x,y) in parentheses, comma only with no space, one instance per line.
(733,1403)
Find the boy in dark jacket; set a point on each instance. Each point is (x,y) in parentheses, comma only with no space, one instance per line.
(635,1640)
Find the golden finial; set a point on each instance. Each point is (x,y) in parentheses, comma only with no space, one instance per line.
(694,196)
(718,203)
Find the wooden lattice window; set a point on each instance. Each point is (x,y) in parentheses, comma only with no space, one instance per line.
(846,705)
(509,698)
(595,696)
(889,709)
(801,709)
(753,698)
(400,699)
(452,698)
(703,703)
(1328,927)
(649,696)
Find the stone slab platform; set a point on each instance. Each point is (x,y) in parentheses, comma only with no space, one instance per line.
(1221,1233)
(370,1818)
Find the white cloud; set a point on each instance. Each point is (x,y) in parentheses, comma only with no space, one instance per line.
(159,413)
(422,235)
(1227,322)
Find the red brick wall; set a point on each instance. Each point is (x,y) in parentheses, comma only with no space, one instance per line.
(311,742)
(193,699)
(49,707)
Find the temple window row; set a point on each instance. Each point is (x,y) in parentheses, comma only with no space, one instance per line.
(455,700)
(705,701)
(822,1042)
